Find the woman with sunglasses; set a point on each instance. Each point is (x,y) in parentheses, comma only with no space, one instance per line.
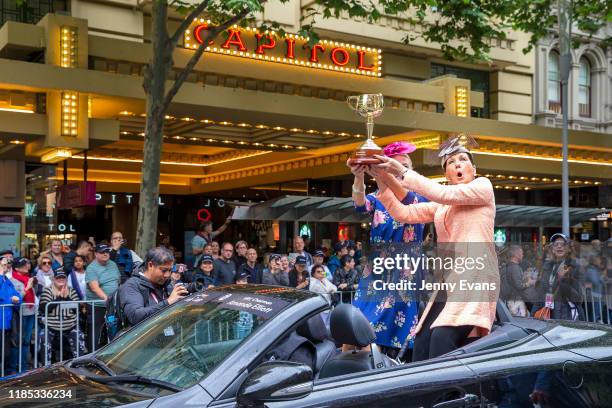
(44,272)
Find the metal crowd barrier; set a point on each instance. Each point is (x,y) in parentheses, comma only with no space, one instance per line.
(39,319)
(596,302)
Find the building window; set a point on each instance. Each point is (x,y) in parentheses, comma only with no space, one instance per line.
(584,88)
(29,11)
(479,82)
(554,82)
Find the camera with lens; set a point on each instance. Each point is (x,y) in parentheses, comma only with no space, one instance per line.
(196,286)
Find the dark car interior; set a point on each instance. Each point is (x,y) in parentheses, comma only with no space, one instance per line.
(349,327)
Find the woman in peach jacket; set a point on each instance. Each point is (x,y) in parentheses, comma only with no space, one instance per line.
(464,214)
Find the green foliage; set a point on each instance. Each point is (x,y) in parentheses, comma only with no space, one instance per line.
(465,29)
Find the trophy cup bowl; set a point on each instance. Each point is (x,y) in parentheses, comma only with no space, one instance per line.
(369,106)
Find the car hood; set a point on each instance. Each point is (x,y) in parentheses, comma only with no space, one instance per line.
(590,340)
(84,392)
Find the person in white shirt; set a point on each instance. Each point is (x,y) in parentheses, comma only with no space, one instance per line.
(320,284)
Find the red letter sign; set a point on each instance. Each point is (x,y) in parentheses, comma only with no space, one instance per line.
(260,47)
(361,65)
(290,47)
(345,56)
(313,53)
(234,39)
(197,33)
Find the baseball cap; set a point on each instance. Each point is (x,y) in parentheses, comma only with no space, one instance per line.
(6,252)
(101,248)
(339,245)
(320,253)
(21,261)
(300,260)
(242,275)
(274,256)
(206,258)
(559,235)
(59,272)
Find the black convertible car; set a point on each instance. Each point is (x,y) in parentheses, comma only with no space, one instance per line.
(227,347)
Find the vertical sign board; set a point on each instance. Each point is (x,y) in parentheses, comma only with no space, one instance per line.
(10,232)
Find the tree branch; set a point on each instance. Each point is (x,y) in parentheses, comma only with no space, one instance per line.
(185,23)
(196,57)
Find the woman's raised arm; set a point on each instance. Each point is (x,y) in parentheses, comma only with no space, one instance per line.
(476,192)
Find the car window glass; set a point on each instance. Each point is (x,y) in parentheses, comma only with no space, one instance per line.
(183,346)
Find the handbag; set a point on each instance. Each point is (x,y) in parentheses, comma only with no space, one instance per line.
(542,314)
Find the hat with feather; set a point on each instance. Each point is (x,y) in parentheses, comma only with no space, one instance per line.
(458,143)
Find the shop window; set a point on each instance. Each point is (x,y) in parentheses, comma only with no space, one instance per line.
(554,82)
(584,88)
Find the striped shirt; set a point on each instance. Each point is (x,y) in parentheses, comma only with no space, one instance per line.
(68,318)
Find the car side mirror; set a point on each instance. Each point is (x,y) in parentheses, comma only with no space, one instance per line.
(275,381)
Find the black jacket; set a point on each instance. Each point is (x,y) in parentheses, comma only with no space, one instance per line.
(564,290)
(140,299)
(342,276)
(255,273)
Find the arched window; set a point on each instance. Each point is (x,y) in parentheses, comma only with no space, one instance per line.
(554,82)
(584,88)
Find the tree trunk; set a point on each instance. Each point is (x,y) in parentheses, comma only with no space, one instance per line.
(154,84)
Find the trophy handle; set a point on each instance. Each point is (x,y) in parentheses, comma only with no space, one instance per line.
(353,101)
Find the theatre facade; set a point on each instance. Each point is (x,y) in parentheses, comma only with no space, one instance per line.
(263,117)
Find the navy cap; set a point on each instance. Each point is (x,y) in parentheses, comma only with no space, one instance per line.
(6,252)
(559,235)
(59,272)
(21,261)
(339,245)
(274,256)
(301,260)
(320,253)
(242,275)
(206,258)
(101,248)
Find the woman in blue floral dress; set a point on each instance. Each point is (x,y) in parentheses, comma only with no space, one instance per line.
(392,314)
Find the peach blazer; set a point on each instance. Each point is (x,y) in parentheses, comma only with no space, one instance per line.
(464,217)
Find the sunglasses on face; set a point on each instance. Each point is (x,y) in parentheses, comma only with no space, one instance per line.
(45,263)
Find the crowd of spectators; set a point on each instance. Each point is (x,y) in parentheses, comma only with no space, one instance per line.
(573,276)
(570,276)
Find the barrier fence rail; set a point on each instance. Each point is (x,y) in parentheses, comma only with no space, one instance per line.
(28,325)
(29,339)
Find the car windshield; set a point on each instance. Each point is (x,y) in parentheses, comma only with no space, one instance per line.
(185,342)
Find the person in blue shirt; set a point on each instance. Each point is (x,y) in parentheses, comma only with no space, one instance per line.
(392,314)
(10,300)
(334,263)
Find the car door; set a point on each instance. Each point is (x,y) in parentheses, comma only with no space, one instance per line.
(531,373)
(425,384)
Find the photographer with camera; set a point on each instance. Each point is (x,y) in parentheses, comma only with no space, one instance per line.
(121,255)
(145,294)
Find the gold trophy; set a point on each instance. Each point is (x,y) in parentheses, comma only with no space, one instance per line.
(369,106)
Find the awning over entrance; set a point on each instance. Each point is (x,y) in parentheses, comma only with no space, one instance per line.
(339,209)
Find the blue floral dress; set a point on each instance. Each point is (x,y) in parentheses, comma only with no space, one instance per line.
(392,314)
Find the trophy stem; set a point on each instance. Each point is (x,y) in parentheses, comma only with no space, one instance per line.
(370,126)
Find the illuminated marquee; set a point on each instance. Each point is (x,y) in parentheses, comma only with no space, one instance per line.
(291,50)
